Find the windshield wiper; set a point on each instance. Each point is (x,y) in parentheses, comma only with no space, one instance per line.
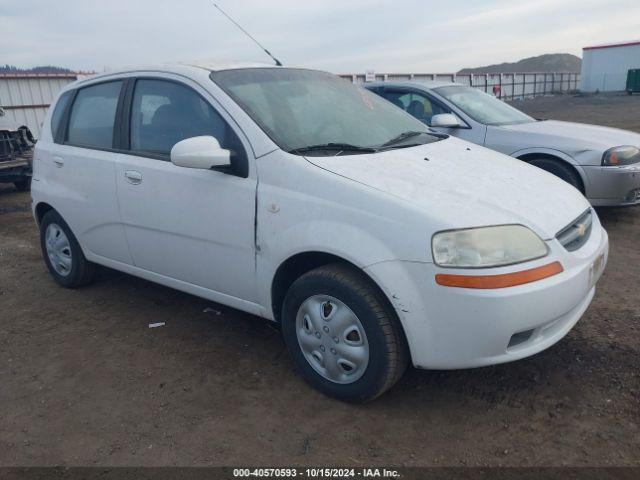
(403,136)
(340,147)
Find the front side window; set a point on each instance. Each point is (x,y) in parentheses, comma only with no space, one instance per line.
(483,107)
(302,108)
(163,113)
(416,104)
(93,115)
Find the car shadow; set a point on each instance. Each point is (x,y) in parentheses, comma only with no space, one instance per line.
(610,216)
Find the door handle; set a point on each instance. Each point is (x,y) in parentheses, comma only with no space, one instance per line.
(58,161)
(133,177)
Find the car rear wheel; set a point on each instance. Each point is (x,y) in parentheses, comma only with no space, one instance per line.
(560,170)
(344,338)
(62,253)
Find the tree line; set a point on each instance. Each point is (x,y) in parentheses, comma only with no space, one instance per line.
(38,69)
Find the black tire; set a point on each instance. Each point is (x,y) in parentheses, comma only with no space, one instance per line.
(82,271)
(559,169)
(388,351)
(23,185)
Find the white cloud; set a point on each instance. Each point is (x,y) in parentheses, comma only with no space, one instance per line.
(338,35)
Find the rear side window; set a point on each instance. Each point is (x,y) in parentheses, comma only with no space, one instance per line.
(93,115)
(164,113)
(58,114)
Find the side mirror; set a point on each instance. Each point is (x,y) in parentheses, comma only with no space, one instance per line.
(444,120)
(200,152)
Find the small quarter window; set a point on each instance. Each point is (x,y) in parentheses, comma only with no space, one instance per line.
(58,114)
(93,114)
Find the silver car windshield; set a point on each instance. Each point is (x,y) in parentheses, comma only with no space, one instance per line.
(308,110)
(483,107)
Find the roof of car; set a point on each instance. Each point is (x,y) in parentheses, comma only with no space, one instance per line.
(216,66)
(180,68)
(427,84)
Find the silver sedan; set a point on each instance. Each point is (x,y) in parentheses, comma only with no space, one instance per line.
(603,163)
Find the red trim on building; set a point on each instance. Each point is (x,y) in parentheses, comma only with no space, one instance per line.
(612,45)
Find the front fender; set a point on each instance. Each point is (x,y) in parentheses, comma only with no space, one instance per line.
(545,152)
(342,240)
(550,152)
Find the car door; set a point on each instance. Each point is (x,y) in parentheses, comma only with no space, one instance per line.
(424,106)
(78,167)
(191,225)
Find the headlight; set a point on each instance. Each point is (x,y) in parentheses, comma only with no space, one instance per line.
(487,246)
(624,155)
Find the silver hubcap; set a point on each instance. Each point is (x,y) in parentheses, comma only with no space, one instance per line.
(332,339)
(58,249)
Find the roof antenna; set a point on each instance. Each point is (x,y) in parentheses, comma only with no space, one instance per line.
(249,35)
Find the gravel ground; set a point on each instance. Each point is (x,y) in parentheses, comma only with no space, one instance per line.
(84,381)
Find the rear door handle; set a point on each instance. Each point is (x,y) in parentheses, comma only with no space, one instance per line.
(133,177)
(58,161)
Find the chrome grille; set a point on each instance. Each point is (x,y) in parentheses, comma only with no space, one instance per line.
(576,234)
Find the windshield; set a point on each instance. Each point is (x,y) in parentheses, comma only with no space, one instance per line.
(483,107)
(299,109)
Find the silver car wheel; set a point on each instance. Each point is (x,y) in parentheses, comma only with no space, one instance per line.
(58,249)
(332,339)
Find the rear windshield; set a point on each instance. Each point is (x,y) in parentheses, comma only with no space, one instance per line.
(299,108)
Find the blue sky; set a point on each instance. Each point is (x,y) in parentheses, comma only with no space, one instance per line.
(341,36)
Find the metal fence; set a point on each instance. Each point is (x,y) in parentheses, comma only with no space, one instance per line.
(508,86)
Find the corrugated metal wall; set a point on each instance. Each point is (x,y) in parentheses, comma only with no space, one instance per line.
(512,85)
(605,68)
(26,97)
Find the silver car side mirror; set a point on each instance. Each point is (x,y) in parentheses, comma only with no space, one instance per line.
(444,120)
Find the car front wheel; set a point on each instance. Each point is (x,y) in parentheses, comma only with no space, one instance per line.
(344,338)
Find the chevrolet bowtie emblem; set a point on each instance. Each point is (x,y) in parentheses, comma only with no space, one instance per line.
(582,229)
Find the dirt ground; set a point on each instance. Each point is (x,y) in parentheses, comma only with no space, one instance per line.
(84,381)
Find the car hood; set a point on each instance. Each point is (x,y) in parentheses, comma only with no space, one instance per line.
(458,184)
(570,135)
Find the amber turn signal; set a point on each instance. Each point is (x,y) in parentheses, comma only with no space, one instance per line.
(499,281)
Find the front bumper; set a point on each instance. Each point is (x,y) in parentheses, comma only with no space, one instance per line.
(613,186)
(459,328)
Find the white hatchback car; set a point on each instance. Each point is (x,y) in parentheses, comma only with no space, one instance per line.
(294,195)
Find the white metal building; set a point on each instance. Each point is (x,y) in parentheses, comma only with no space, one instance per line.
(605,67)
(25,97)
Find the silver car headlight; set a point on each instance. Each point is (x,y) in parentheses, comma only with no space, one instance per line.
(623,155)
(487,246)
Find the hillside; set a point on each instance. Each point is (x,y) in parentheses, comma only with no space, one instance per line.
(550,62)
